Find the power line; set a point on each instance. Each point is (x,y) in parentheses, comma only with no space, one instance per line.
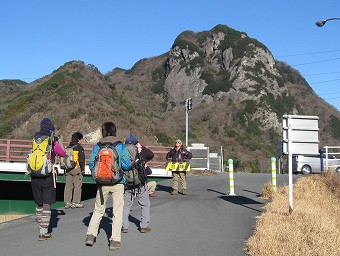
(325,81)
(312,62)
(329,93)
(332,98)
(310,53)
(327,73)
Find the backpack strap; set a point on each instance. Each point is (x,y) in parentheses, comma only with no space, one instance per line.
(72,146)
(101,144)
(100,189)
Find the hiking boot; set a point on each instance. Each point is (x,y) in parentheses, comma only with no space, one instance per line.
(145,230)
(124,230)
(152,195)
(43,237)
(90,239)
(184,192)
(114,245)
(174,192)
(67,205)
(77,205)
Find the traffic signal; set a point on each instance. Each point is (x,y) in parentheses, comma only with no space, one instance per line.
(189,104)
(279,148)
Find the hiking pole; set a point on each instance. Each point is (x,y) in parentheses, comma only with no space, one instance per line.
(54,176)
(52,138)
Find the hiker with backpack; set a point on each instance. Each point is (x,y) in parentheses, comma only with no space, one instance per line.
(136,183)
(108,160)
(179,155)
(74,169)
(42,172)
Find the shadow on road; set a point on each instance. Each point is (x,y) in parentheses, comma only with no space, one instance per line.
(134,220)
(256,193)
(239,200)
(218,192)
(55,219)
(105,223)
(163,188)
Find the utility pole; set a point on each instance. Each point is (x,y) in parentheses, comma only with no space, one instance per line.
(188,106)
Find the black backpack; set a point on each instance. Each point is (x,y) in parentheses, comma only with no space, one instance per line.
(136,177)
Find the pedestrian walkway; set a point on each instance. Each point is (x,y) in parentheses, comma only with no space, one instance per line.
(205,222)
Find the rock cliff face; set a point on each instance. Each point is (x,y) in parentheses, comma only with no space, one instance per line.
(251,76)
(239,92)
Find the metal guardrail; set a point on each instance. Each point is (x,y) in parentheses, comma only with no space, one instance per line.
(12,150)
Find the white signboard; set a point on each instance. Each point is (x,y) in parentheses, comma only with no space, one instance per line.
(300,134)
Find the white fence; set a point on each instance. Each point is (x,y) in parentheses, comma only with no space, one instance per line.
(331,150)
(202,159)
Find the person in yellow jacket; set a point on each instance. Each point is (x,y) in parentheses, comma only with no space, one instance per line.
(74,177)
(179,154)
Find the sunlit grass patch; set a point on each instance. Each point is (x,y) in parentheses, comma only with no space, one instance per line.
(313,228)
(9,217)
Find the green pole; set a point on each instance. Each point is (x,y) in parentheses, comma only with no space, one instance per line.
(231,177)
(273,160)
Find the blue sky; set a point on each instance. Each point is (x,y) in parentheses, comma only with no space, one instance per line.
(37,37)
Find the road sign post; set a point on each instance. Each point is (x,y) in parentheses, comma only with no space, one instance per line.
(300,137)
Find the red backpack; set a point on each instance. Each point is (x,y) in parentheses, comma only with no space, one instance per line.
(107,170)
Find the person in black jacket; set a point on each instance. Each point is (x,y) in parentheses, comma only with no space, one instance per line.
(74,177)
(141,192)
(179,154)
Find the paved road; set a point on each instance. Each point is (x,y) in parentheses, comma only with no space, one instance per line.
(205,222)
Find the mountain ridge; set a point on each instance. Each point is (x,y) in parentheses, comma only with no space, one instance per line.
(239,92)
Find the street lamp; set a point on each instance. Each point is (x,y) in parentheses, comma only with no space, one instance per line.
(323,22)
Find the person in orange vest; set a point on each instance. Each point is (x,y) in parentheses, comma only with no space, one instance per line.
(74,177)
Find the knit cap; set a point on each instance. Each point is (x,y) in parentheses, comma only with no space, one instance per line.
(131,139)
(179,142)
(46,125)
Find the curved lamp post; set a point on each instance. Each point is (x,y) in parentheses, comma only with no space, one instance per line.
(323,22)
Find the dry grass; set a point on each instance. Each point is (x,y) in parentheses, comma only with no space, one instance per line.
(333,182)
(267,191)
(8,217)
(313,228)
(202,172)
